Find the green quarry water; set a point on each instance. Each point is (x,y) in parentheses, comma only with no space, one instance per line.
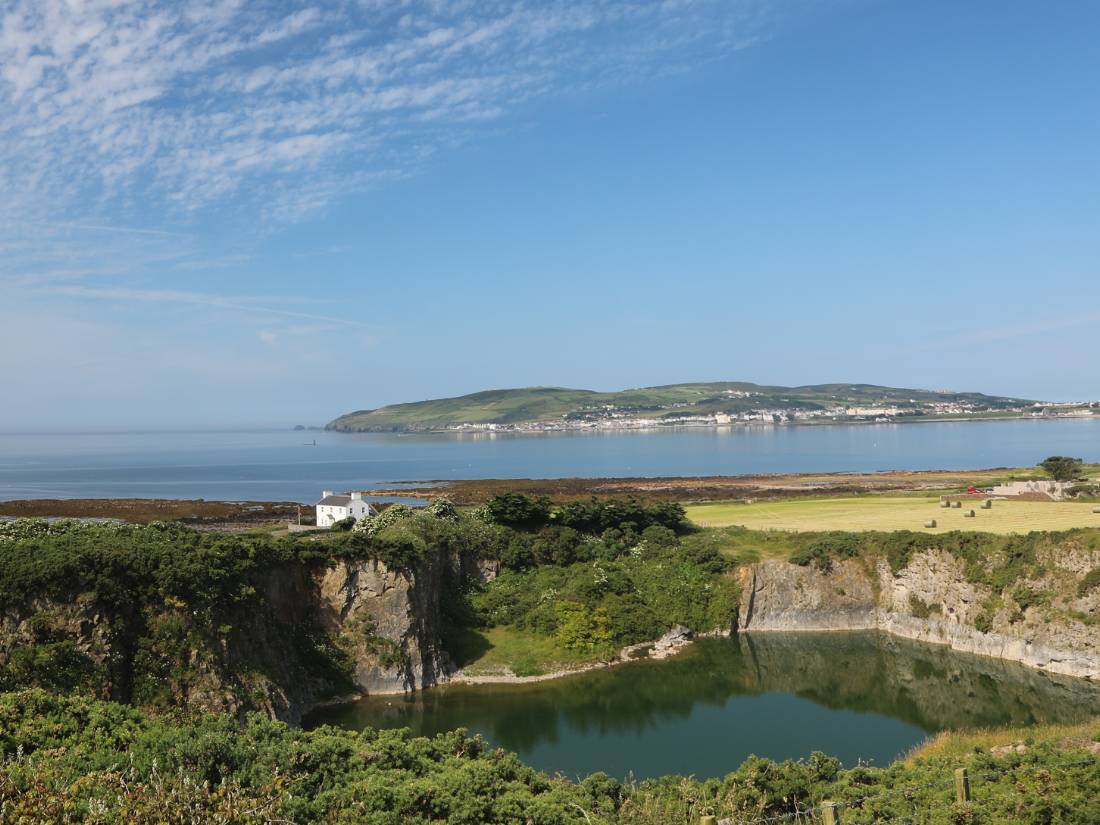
(857,696)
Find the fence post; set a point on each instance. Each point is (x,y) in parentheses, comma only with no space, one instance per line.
(962,785)
(831,810)
(707,820)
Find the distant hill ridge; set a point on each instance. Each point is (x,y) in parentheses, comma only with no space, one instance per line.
(571,407)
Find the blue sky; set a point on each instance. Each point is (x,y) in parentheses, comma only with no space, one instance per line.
(229,213)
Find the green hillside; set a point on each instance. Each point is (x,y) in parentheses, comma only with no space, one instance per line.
(559,405)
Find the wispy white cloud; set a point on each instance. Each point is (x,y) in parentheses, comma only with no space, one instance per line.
(129,128)
(153,108)
(175,296)
(91,227)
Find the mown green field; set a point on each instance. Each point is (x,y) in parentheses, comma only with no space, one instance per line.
(894,513)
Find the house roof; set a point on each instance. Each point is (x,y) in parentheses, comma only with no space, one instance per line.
(338,501)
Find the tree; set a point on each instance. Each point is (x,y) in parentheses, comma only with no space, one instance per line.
(1062,468)
(518,510)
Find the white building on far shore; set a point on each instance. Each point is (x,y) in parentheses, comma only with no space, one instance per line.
(336,507)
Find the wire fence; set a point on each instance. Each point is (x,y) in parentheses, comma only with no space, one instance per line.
(832,813)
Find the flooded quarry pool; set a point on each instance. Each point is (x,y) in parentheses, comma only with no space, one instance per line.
(857,696)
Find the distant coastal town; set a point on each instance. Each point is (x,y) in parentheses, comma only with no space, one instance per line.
(610,418)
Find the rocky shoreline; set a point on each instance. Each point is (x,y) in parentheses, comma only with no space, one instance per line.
(671,643)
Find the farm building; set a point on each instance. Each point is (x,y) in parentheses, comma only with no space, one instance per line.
(1056,490)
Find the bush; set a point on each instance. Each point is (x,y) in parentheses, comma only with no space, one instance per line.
(519,511)
(57,666)
(1089,583)
(442,508)
(589,517)
(582,630)
(389,517)
(921,609)
(813,554)
(561,546)
(598,515)
(399,548)
(1026,597)
(1062,467)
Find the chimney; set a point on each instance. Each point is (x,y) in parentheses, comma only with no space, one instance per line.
(326,493)
(356,496)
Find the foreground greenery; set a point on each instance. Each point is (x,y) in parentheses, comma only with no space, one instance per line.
(581,579)
(74,759)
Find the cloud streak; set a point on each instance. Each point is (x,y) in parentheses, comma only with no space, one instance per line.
(152,108)
(174,296)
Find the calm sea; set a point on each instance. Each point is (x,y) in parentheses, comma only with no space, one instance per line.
(286,465)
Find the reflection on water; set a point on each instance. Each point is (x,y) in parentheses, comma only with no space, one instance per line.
(858,696)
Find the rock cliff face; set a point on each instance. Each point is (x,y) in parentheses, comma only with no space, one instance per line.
(389,622)
(309,635)
(930,600)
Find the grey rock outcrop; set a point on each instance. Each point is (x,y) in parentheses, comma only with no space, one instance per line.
(931,600)
(390,623)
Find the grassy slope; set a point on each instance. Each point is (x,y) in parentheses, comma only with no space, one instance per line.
(493,406)
(889,513)
(551,403)
(958,744)
(506,651)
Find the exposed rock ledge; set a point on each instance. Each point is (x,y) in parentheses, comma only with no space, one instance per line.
(931,601)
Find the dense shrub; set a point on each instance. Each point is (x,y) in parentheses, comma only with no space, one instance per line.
(78,760)
(389,517)
(591,517)
(518,510)
(640,597)
(583,630)
(442,508)
(597,515)
(71,747)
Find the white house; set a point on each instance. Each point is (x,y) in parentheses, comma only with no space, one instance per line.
(333,508)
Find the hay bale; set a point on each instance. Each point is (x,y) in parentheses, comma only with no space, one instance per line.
(944,503)
(1096,509)
(930,524)
(969,514)
(987,504)
(957,505)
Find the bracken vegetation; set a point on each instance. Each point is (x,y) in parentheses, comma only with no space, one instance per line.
(76,759)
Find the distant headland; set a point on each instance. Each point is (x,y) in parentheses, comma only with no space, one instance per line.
(725,403)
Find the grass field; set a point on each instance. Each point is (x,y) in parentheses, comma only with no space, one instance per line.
(894,513)
(503,650)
